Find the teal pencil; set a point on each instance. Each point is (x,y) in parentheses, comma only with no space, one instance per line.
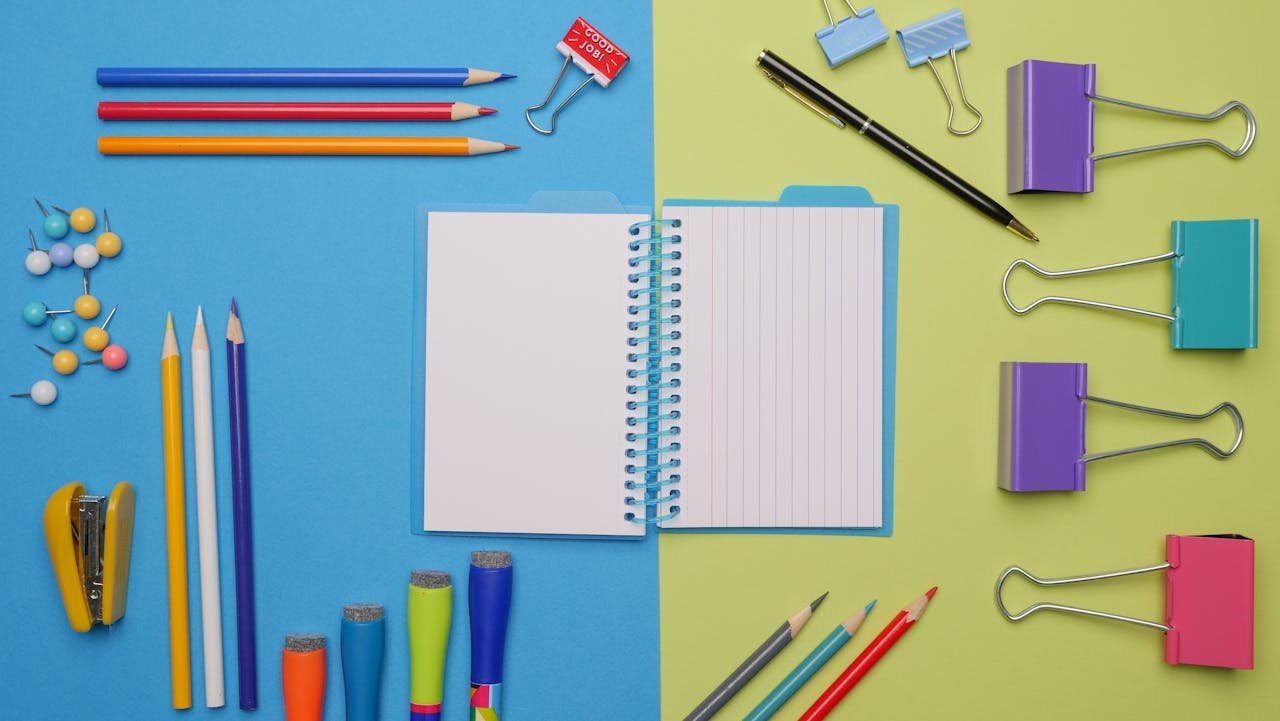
(809,666)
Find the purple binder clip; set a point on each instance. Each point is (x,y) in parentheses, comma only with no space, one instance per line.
(1051,127)
(1042,427)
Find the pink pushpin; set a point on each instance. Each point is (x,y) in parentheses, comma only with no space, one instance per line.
(114,357)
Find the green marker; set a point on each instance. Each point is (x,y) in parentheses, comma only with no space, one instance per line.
(430,613)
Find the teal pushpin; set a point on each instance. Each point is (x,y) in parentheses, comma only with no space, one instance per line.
(55,225)
(1215,285)
(63,330)
(35,313)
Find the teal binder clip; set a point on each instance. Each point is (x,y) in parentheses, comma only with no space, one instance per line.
(852,36)
(1215,284)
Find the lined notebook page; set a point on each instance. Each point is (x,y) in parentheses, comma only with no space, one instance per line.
(782,334)
(526,317)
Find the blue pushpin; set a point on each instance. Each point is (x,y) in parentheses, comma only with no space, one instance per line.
(1215,285)
(63,330)
(61,254)
(55,225)
(851,36)
(35,313)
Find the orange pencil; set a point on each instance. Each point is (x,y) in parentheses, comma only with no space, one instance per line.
(295,145)
(874,651)
(175,517)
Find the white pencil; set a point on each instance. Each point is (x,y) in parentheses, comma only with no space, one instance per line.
(207,507)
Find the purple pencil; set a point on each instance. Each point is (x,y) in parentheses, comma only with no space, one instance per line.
(237,397)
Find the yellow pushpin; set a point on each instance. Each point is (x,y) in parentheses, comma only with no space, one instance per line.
(108,244)
(82,219)
(97,337)
(87,306)
(65,361)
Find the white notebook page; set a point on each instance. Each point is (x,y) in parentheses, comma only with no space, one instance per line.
(781,352)
(526,344)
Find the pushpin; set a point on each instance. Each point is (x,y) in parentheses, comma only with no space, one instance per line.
(60,254)
(63,330)
(55,226)
(42,392)
(594,54)
(35,313)
(82,219)
(86,255)
(97,337)
(66,362)
(87,306)
(108,243)
(38,262)
(114,357)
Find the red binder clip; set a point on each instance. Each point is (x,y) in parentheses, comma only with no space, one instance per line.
(594,54)
(1208,599)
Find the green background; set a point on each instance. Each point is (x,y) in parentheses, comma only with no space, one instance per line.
(723,131)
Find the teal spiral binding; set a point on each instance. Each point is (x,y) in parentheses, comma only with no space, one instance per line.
(654,385)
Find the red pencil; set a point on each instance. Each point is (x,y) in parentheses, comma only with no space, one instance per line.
(113,110)
(849,678)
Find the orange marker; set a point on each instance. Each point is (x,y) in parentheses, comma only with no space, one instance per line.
(874,651)
(302,676)
(295,145)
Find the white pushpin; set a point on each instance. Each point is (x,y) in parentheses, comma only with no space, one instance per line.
(86,255)
(42,393)
(38,262)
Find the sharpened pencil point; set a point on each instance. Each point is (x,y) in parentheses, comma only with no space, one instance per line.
(199,315)
(168,321)
(234,310)
(508,146)
(487,111)
(870,606)
(930,592)
(818,601)
(505,76)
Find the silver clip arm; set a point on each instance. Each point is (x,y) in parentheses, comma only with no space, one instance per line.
(1250,131)
(1004,286)
(964,97)
(1236,419)
(1072,609)
(529,110)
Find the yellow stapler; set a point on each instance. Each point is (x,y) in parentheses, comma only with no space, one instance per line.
(89,539)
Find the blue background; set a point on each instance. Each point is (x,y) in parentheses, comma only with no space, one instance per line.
(318,253)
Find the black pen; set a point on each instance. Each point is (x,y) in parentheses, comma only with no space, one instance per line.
(834,109)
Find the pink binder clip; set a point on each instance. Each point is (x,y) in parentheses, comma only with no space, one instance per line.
(1208,599)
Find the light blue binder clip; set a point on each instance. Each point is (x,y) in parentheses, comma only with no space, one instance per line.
(936,37)
(852,36)
(1215,284)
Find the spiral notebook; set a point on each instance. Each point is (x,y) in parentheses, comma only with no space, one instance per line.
(586,369)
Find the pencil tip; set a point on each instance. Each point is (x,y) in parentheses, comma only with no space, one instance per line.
(487,111)
(818,601)
(870,606)
(199,315)
(234,309)
(504,76)
(168,321)
(509,146)
(930,592)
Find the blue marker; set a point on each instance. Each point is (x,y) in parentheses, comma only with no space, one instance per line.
(809,666)
(362,641)
(489,598)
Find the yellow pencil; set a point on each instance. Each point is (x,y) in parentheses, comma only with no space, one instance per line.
(175,517)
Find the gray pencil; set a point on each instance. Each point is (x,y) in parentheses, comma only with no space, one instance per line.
(777,641)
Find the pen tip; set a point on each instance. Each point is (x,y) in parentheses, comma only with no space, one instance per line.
(818,601)
(930,592)
(508,146)
(1017,228)
(870,606)
(487,111)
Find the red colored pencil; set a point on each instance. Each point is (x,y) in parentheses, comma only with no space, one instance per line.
(114,110)
(874,651)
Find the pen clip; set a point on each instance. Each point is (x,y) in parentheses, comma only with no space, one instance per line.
(804,101)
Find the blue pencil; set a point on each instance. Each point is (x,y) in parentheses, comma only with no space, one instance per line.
(296,77)
(809,666)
